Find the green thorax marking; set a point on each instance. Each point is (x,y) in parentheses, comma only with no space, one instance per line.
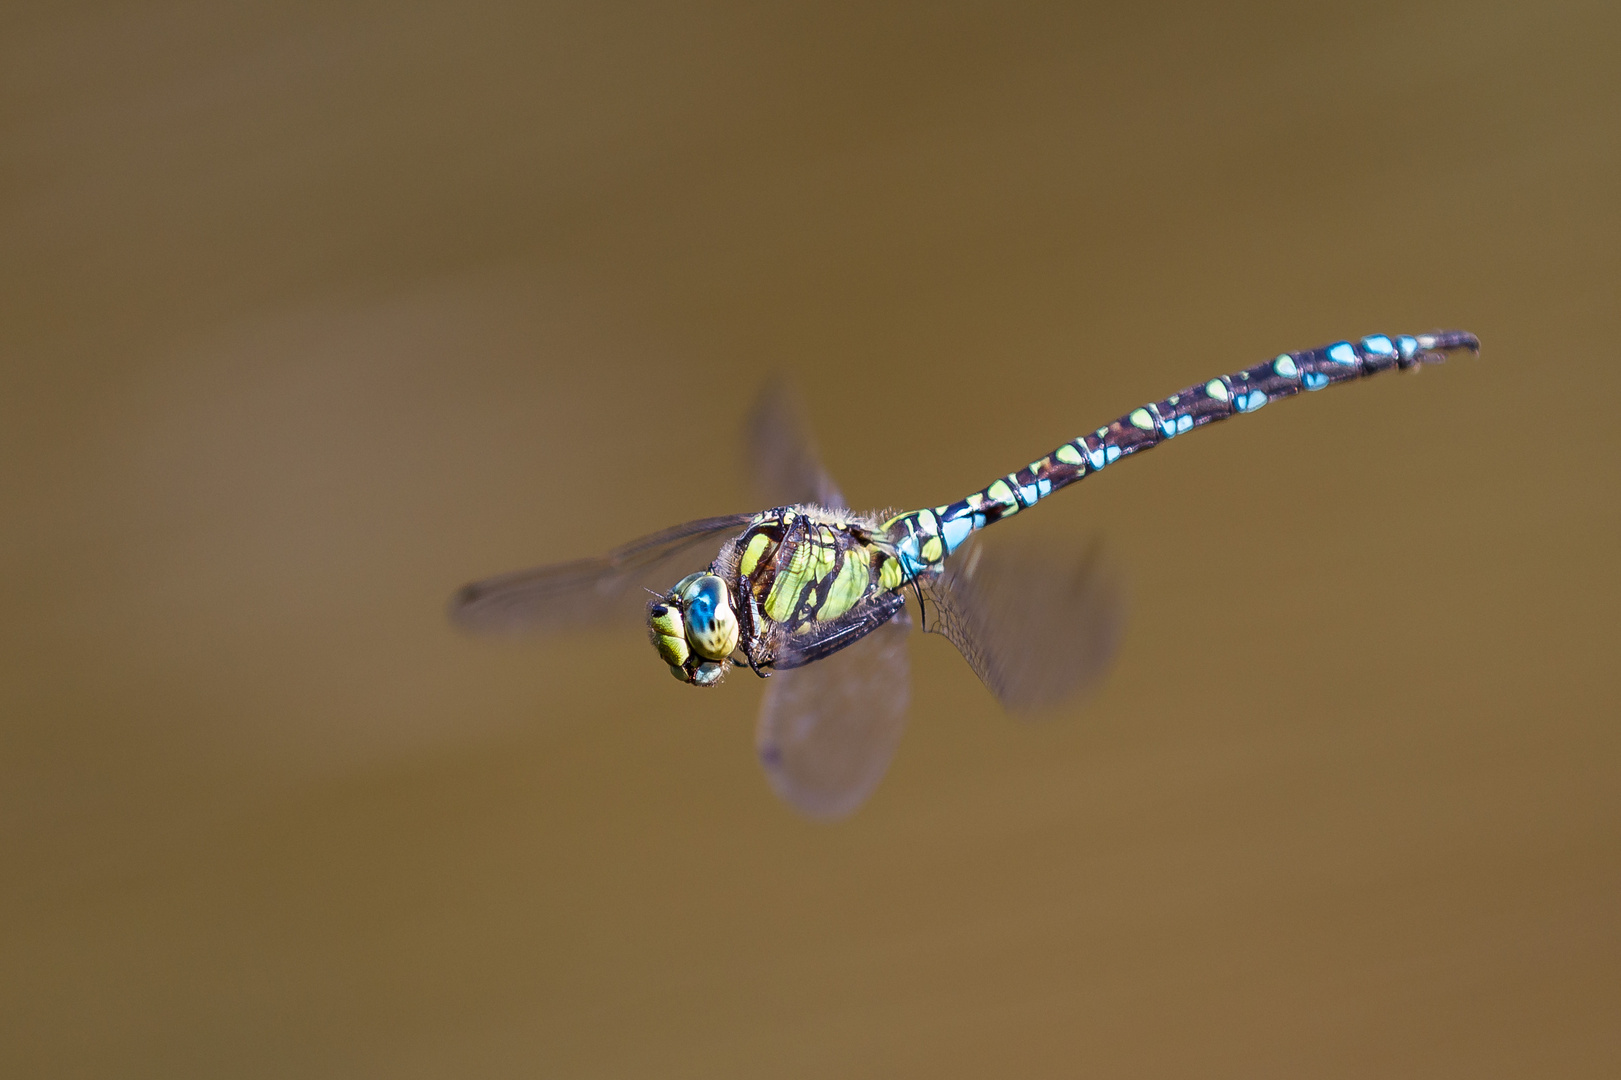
(796,568)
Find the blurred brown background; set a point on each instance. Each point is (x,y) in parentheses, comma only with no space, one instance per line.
(309,313)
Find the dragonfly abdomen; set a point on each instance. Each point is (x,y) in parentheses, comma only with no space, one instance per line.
(925,537)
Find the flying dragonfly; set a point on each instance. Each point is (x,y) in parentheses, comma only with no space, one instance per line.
(812,595)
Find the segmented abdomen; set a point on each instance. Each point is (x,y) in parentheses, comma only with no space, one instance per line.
(923,538)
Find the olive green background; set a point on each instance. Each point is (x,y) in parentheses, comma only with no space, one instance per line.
(309,313)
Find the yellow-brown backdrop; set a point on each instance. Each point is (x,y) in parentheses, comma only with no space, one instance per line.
(309,313)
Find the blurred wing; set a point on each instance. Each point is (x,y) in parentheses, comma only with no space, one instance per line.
(602,591)
(782,458)
(1036,625)
(828,730)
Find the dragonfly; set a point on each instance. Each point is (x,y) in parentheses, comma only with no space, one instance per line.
(812,596)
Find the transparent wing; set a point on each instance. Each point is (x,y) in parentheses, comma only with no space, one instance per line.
(1036,624)
(603,591)
(782,458)
(833,714)
(828,730)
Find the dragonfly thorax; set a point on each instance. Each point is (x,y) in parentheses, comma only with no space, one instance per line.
(800,582)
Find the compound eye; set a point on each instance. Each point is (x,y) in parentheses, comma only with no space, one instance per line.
(711,624)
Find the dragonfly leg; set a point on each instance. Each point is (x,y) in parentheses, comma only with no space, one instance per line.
(922,612)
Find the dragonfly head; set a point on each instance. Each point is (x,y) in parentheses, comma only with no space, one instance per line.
(694,628)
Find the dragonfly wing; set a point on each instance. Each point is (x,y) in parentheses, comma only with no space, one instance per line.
(1037,625)
(604,591)
(782,457)
(828,730)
